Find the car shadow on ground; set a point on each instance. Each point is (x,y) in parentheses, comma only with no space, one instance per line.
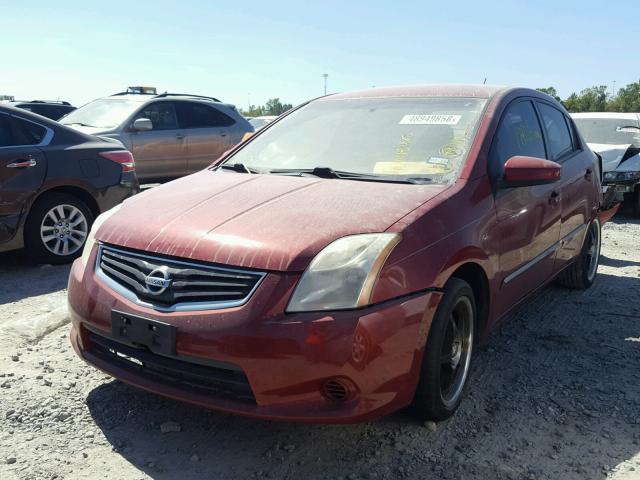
(617,263)
(625,216)
(21,278)
(555,393)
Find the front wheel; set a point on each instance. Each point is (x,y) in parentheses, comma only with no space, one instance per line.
(447,356)
(57,228)
(582,273)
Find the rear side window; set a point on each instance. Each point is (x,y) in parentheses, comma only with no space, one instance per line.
(16,132)
(557,130)
(161,114)
(198,115)
(519,133)
(50,111)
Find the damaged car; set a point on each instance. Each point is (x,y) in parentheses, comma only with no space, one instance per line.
(342,263)
(616,138)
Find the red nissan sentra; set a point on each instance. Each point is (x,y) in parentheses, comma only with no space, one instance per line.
(343,262)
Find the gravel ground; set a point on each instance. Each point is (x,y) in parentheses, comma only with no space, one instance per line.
(555,393)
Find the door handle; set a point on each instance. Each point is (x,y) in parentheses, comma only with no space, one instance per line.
(223,134)
(23,164)
(588,174)
(554,198)
(179,136)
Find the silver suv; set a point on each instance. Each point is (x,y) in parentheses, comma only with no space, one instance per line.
(170,135)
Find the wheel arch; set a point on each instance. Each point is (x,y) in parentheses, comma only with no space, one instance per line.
(73,190)
(472,273)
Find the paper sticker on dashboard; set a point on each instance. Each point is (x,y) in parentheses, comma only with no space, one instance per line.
(407,168)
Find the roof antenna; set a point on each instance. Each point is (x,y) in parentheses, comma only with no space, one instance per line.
(485,81)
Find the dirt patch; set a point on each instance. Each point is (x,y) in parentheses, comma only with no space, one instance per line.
(555,393)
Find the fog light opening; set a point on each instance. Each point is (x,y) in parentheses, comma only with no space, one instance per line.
(337,390)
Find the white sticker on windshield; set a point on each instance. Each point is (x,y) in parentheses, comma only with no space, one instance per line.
(431,119)
(438,160)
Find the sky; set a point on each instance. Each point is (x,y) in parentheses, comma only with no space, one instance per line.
(250,51)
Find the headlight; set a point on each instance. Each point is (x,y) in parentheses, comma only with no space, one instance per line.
(91,238)
(343,274)
(621,176)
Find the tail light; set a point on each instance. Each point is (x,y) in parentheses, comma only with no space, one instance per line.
(123,157)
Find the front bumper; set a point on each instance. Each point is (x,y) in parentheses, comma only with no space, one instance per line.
(286,358)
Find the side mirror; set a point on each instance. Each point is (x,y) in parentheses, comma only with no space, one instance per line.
(521,171)
(142,124)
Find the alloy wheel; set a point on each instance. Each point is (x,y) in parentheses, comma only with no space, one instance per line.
(455,353)
(64,230)
(592,252)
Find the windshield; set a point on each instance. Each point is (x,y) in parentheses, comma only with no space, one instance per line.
(102,113)
(426,138)
(606,130)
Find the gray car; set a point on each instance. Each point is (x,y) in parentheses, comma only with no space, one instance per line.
(170,135)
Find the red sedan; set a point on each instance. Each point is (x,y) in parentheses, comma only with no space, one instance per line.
(343,262)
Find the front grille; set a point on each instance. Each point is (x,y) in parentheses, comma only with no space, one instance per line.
(222,380)
(166,283)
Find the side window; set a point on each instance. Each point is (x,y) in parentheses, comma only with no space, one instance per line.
(6,139)
(558,134)
(198,115)
(519,133)
(161,114)
(16,132)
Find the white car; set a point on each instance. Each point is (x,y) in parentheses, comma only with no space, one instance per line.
(615,137)
(261,122)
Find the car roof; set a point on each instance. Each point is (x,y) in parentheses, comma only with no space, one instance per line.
(448,90)
(56,103)
(613,115)
(44,121)
(144,98)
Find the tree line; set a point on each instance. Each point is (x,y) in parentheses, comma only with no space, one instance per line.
(273,107)
(597,99)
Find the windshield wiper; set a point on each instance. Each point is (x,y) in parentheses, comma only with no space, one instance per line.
(238,167)
(327,172)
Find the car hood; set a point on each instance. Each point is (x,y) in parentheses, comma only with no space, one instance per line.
(268,222)
(611,154)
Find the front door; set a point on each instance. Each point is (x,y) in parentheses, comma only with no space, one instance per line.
(22,169)
(527,226)
(162,151)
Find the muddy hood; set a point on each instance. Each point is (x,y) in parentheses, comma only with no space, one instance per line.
(266,222)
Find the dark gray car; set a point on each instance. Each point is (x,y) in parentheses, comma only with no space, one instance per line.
(170,135)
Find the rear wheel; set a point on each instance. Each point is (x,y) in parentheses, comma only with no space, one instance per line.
(447,356)
(582,273)
(635,201)
(57,228)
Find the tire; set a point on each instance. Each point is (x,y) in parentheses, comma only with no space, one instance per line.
(57,219)
(581,274)
(634,197)
(441,386)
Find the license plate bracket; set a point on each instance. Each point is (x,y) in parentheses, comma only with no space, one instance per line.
(138,332)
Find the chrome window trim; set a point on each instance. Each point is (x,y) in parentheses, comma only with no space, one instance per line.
(567,238)
(178,307)
(46,140)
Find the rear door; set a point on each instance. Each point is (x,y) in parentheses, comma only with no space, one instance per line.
(22,168)
(528,218)
(207,130)
(579,183)
(162,151)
